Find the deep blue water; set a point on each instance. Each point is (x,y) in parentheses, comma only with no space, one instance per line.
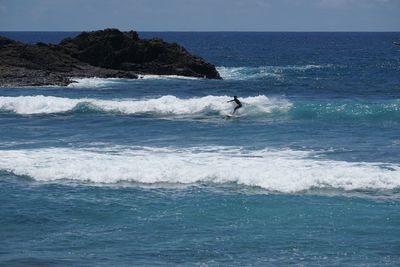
(152,172)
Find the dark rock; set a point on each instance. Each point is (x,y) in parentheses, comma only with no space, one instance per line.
(113,49)
(107,53)
(5,41)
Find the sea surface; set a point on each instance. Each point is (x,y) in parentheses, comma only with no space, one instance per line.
(152,172)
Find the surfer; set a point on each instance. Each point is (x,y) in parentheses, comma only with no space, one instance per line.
(239,104)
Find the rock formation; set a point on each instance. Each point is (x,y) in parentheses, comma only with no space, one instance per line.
(107,53)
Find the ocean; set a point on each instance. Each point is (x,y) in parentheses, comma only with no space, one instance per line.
(152,172)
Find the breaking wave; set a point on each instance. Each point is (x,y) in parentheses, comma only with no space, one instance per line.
(255,107)
(162,106)
(283,171)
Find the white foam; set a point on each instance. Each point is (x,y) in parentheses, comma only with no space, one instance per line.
(165,105)
(37,104)
(166,77)
(284,171)
(94,82)
(246,73)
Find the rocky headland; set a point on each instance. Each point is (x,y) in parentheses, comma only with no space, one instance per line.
(108,53)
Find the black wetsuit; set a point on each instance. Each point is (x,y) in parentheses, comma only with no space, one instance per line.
(239,104)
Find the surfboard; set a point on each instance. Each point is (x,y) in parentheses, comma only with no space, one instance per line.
(231,116)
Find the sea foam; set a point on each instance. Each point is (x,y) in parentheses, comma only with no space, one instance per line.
(254,107)
(165,105)
(227,73)
(95,82)
(275,170)
(166,77)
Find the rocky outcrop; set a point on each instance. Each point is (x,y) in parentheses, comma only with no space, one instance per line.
(106,53)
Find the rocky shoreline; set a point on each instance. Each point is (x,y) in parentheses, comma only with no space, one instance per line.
(108,53)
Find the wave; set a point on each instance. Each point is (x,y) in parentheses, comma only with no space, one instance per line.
(162,106)
(276,72)
(227,73)
(285,171)
(255,107)
(167,77)
(95,82)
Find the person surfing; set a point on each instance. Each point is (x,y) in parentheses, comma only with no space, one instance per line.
(239,104)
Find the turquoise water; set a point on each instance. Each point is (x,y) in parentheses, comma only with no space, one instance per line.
(150,171)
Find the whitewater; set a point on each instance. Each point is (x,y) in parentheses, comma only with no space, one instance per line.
(254,107)
(285,171)
(165,105)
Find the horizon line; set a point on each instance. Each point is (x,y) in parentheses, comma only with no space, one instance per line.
(205,31)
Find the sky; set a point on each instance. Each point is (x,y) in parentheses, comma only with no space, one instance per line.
(200,15)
